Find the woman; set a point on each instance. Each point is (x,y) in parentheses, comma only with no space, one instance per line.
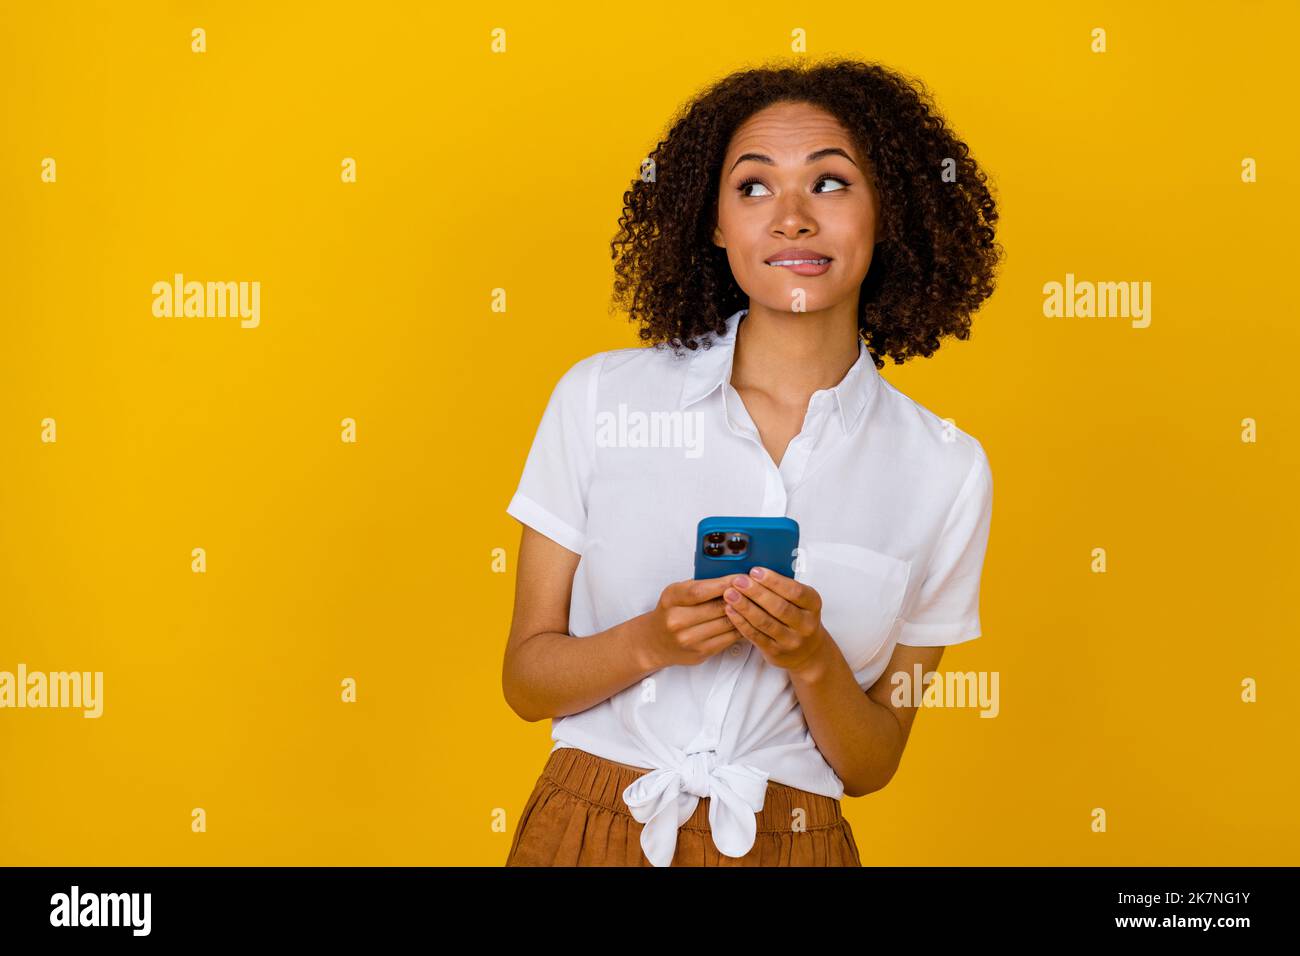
(796,221)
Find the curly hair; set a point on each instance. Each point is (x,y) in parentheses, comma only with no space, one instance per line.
(932,268)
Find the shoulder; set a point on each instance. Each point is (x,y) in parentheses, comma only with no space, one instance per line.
(928,442)
(640,371)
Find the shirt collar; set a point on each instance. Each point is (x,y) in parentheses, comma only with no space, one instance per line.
(710,368)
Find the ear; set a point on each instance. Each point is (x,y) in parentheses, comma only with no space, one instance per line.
(718,239)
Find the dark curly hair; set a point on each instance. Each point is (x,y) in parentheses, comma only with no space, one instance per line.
(932,268)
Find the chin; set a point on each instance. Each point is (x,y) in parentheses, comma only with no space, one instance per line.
(810,305)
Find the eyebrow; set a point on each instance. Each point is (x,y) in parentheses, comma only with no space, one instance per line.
(812,157)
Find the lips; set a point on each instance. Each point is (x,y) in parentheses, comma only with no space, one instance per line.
(800,261)
(795,253)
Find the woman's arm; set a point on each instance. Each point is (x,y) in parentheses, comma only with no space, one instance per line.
(862,736)
(550,673)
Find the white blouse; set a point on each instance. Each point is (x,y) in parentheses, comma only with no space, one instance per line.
(635,446)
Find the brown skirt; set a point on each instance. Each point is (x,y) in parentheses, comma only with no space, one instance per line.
(576,817)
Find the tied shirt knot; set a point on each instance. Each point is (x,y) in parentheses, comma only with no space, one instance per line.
(664,799)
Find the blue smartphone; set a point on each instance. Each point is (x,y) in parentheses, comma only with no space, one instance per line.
(732,545)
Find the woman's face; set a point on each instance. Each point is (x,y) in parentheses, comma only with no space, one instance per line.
(793,179)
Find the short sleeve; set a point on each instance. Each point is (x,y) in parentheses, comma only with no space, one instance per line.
(946,609)
(552,493)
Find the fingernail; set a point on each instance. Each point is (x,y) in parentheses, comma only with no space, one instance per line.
(757,573)
(731,595)
(741,582)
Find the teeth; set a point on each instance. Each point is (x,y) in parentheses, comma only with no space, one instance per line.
(797,262)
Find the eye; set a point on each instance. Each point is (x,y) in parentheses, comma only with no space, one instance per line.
(833,179)
(820,179)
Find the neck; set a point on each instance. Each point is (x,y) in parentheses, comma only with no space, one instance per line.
(790,355)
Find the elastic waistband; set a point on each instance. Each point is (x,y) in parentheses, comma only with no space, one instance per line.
(602,782)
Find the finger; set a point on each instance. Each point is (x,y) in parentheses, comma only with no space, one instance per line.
(705,630)
(711,637)
(759,618)
(789,614)
(749,631)
(721,641)
(691,614)
(795,592)
(698,591)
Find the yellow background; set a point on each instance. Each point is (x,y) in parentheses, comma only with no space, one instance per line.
(479,170)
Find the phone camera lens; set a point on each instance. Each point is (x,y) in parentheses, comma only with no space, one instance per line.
(736,543)
(715,537)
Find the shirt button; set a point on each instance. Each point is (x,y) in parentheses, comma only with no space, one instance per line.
(735,650)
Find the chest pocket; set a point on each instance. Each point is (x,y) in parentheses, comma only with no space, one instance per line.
(862,593)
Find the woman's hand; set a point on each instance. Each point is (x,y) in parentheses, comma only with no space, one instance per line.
(688,626)
(779,615)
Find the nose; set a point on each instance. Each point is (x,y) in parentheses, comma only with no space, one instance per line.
(793,217)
